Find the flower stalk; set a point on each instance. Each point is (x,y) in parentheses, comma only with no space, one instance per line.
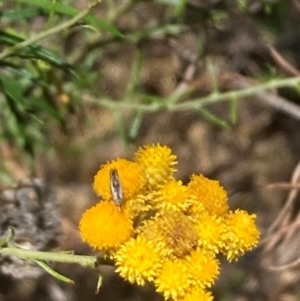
(88,261)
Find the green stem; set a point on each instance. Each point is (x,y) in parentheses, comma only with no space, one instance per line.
(271,99)
(89,261)
(247,91)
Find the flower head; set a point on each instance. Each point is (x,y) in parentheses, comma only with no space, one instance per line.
(105,226)
(208,195)
(170,196)
(203,268)
(158,163)
(173,280)
(137,261)
(197,294)
(137,205)
(131,177)
(210,230)
(172,232)
(241,234)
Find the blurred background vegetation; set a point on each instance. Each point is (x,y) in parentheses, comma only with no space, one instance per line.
(84,82)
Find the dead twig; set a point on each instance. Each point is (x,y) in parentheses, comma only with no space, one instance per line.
(187,77)
(282,62)
(285,213)
(285,266)
(185,53)
(271,240)
(283,185)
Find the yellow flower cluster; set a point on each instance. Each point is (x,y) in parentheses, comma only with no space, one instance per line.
(159,231)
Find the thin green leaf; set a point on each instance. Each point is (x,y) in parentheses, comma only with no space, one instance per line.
(169,2)
(134,77)
(180,8)
(4,240)
(151,98)
(70,11)
(242,4)
(99,283)
(20,14)
(233,110)
(43,106)
(121,127)
(53,273)
(297,89)
(136,124)
(12,88)
(17,124)
(157,31)
(23,73)
(213,118)
(34,51)
(51,15)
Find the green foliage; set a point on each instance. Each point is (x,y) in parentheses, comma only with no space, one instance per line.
(57,7)
(25,81)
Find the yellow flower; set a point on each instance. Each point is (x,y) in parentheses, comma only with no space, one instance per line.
(241,234)
(203,268)
(152,231)
(173,280)
(172,232)
(158,163)
(170,196)
(137,261)
(210,230)
(158,230)
(207,194)
(137,206)
(105,226)
(132,179)
(197,295)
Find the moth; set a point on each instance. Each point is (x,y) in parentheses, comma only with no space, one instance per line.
(116,187)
